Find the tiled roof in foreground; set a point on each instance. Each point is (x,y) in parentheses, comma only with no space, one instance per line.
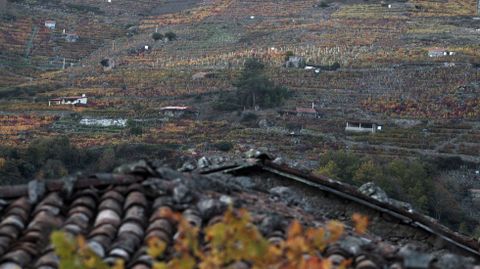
(117,213)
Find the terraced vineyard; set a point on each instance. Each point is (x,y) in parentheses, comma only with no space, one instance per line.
(384,73)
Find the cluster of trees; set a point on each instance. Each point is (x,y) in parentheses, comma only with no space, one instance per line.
(419,182)
(57,157)
(253,88)
(168,35)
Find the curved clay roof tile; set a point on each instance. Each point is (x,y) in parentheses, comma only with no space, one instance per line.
(86,201)
(107,216)
(102,240)
(131,227)
(114,194)
(135,198)
(136,213)
(111,204)
(107,230)
(161,224)
(50,259)
(22,203)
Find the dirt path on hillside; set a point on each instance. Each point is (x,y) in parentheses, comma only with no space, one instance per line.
(173,6)
(429,152)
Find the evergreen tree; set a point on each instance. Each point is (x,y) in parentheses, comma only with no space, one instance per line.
(254,88)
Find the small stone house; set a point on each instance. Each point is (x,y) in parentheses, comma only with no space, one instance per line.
(50,24)
(362,127)
(302,112)
(177,111)
(295,62)
(306,112)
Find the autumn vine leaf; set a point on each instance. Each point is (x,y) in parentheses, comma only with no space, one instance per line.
(335,229)
(234,238)
(74,253)
(361,223)
(156,247)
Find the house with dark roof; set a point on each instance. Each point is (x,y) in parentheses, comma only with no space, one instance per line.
(308,112)
(302,112)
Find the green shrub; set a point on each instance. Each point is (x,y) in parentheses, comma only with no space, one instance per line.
(249,117)
(134,128)
(170,36)
(254,89)
(85,8)
(224,146)
(157,36)
(288,54)
(104,62)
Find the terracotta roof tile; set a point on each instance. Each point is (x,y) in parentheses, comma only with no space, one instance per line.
(118,215)
(111,204)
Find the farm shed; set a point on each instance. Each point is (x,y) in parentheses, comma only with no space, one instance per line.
(177,111)
(70,100)
(295,62)
(362,127)
(439,52)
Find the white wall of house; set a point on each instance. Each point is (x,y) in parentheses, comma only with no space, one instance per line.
(82,101)
(50,25)
(363,128)
(438,53)
(69,101)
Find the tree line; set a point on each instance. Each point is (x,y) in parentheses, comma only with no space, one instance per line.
(421,182)
(55,157)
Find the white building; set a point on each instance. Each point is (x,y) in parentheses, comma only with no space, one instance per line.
(440,52)
(177,111)
(50,24)
(362,127)
(71,100)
